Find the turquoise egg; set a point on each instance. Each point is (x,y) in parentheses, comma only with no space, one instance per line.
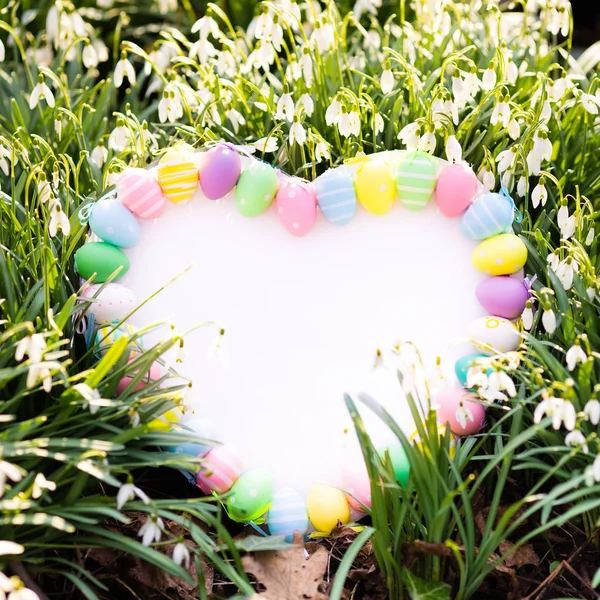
(336,195)
(287,514)
(114,224)
(463,364)
(251,496)
(488,216)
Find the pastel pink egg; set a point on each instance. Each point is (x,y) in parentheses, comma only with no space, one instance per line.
(296,206)
(502,296)
(452,400)
(219,470)
(153,374)
(220,172)
(456,189)
(140,193)
(356,484)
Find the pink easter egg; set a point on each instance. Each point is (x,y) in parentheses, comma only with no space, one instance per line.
(140,193)
(456,188)
(219,470)
(296,206)
(356,484)
(220,172)
(502,296)
(153,374)
(450,401)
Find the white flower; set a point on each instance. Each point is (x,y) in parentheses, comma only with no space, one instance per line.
(428,142)
(576,438)
(181,554)
(369,6)
(151,530)
(92,397)
(512,72)
(569,228)
(514,129)
(575,354)
(499,380)
(463,415)
(477,375)
(506,159)
(267,144)
(218,350)
(306,102)
(453,149)
(307,67)
(4,159)
(236,118)
(592,473)
(2,51)
(349,123)
(561,411)
(410,135)
(590,103)
(522,186)
(534,164)
(378,123)
(128,492)
(226,65)
(41,90)
(170,107)
(8,548)
(124,69)
(322,150)
(99,155)
(387,81)
(120,138)
(32,345)
(17,590)
(566,270)
(486,176)
(285,108)
(459,90)
(590,236)
(471,82)
(297,134)
(542,146)
(563,220)
(539,195)
(324,36)
(41,371)
(9,471)
(89,56)
(501,114)
(165,6)
(101,50)
(549,321)
(58,220)
(44,190)
(488,81)
(333,112)
(40,484)
(206,26)
(527,316)
(592,411)
(591,293)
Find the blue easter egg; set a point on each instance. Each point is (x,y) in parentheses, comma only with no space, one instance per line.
(287,513)
(463,364)
(491,215)
(201,427)
(336,195)
(114,224)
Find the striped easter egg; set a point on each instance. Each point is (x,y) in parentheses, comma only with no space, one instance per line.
(375,188)
(220,469)
(107,335)
(139,191)
(177,175)
(489,215)
(336,195)
(287,513)
(415,180)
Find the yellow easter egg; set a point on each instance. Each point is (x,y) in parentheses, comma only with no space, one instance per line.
(416,439)
(326,505)
(375,187)
(502,254)
(166,420)
(177,175)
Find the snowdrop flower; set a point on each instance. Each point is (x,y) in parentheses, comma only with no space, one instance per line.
(204,49)
(590,236)
(333,112)
(591,293)
(124,69)
(549,320)
(477,375)
(285,108)
(218,349)
(387,80)
(120,137)
(41,91)
(576,438)
(553,260)
(499,380)
(101,50)
(166,6)
(43,189)
(488,81)
(91,396)
(463,415)
(589,102)
(471,82)
(428,142)
(15,589)
(307,67)
(181,554)
(514,129)
(32,345)
(522,186)
(8,548)
(206,26)
(501,113)
(2,52)
(539,194)
(512,72)
(226,65)
(546,112)
(236,118)
(128,492)
(592,473)
(58,220)
(575,354)
(4,159)
(41,371)
(561,411)
(486,176)
(40,484)
(322,150)
(9,471)
(459,90)
(542,146)
(170,107)
(306,103)
(361,6)
(324,36)
(151,530)
(506,159)
(267,144)
(410,135)
(89,56)
(99,154)
(453,149)
(592,411)
(566,270)
(349,123)
(527,316)
(297,133)
(567,224)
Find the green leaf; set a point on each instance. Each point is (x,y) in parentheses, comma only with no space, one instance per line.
(419,589)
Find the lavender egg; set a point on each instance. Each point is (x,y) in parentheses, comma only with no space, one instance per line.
(502,296)
(221,171)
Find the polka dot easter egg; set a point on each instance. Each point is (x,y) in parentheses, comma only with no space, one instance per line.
(494,334)
(326,507)
(177,175)
(464,363)
(488,216)
(251,496)
(503,296)
(256,189)
(109,302)
(336,195)
(287,514)
(415,180)
(220,171)
(220,469)
(101,259)
(296,207)
(502,254)
(113,223)
(140,193)
(456,188)
(375,188)
(455,407)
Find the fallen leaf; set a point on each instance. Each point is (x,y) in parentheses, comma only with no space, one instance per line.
(289,574)
(419,589)
(524,555)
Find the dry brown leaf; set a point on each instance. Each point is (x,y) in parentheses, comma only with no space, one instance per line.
(288,574)
(525,555)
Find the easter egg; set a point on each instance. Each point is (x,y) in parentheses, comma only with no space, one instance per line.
(107,335)
(220,172)
(456,188)
(201,427)
(489,215)
(177,175)
(251,496)
(375,187)
(153,374)
(502,296)
(256,189)
(502,254)
(219,470)
(296,207)
(494,334)
(287,513)
(114,224)
(167,421)
(416,179)
(399,462)
(336,196)
(451,402)
(463,364)
(139,192)
(102,259)
(356,484)
(110,302)
(326,507)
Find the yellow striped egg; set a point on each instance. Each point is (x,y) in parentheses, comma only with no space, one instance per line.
(375,187)
(178,175)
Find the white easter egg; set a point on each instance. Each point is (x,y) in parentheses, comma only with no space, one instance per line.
(111,302)
(494,334)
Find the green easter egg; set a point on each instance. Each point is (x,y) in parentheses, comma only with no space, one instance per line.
(256,189)
(399,462)
(100,258)
(463,364)
(251,496)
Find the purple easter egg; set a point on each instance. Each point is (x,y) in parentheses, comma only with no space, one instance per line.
(221,171)
(502,296)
